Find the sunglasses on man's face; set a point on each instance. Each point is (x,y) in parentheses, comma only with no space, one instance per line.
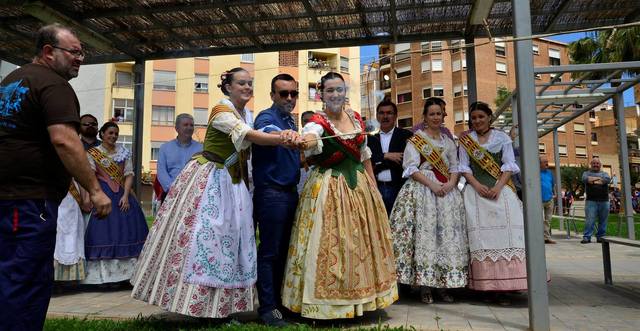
(90,124)
(285,94)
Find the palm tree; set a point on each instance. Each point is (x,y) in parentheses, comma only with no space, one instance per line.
(607,46)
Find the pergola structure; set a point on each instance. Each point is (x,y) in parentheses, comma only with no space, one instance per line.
(140,30)
(558,103)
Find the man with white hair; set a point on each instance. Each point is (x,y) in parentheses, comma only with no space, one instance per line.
(175,154)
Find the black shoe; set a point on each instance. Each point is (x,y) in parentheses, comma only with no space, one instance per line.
(274,318)
(599,240)
(585,241)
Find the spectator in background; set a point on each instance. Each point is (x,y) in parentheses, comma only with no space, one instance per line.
(175,154)
(546,188)
(387,148)
(89,131)
(596,207)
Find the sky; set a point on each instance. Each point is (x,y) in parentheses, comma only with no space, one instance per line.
(370,53)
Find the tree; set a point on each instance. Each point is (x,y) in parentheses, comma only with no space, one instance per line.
(571,178)
(502,94)
(606,46)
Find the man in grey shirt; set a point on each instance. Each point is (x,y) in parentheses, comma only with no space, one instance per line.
(596,184)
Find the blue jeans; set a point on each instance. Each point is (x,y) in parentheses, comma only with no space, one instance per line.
(389,194)
(273,210)
(27,242)
(596,210)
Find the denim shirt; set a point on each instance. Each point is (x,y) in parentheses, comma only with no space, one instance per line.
(173,157)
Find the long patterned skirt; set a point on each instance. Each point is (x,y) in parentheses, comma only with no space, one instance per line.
(340,261)
(430,236)
(172,270)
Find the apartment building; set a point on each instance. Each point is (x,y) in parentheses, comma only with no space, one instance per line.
(189,85)
(604,138)
(412,72)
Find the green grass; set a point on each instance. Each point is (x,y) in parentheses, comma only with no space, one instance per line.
(612,225)
(153,324)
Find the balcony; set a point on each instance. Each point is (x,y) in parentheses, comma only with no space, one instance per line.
(634,156)
(385,61)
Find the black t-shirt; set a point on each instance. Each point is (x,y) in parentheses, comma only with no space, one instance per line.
(32,98)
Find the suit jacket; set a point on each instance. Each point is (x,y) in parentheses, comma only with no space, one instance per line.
(397,145)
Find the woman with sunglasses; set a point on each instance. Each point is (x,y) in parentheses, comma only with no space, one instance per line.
(200,256)
(341,260)
(493,211)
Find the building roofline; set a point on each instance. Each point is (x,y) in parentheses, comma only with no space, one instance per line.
(553,41)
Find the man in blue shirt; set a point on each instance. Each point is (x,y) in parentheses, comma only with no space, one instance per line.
(175,154)
(276,171)
(546,187)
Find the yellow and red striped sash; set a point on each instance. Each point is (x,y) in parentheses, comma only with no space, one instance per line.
(431,154)
(483,158)
(107,164)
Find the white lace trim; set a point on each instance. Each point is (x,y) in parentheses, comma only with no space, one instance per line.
(356,124)
(120,155)
(495,254)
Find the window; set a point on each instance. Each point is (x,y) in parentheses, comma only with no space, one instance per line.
(404,71)
(424,47)
(125,141)
(536,49)
(155,150)
(562,150)
(464,64)
(594,137)
(460,116)
(578,128)
(436,64)
(592,114)
(249,58)
(162,115)
(164,80)
(200,116)
(202,83)
(554,57)
(313,95)
(436,46)
(425,65)
(501,47)
(537,76)
(124,79)
(123,110)
(402,51)
(455,45)
(553,76)
(438,91)
(456,65)
(404,97)
(426,92)
(562,128)
(344,64)
(457,91)
(581,151)
(405,123)
(465,90)
(542,148)
(501,68)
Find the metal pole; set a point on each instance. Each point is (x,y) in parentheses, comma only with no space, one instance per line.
(138,127)
(618,104)
(556,160)
(527,121)
(470,56)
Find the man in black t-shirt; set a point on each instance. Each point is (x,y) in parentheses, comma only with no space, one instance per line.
(40,150)
(596,206)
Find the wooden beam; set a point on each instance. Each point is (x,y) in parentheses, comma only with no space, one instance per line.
(243,29)
(556,14)
(393,16)
(315,23)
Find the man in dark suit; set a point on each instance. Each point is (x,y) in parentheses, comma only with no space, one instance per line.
(387,148)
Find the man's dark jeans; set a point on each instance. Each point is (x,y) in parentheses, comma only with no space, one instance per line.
(274,209)
(27,242)
(389,192)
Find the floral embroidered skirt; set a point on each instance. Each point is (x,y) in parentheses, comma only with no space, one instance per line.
(340,260)
(430,236)
(496,240)
(187,258)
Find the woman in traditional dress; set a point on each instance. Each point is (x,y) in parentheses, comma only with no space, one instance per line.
(340,260)
(200,257)
(69,262)
(427,220)
(494,213)
(112,244)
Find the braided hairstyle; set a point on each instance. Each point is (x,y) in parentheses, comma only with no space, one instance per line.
(226,78)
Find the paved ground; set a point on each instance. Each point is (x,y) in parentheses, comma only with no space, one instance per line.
(578,299)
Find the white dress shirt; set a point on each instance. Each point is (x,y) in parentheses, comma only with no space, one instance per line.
(385,141)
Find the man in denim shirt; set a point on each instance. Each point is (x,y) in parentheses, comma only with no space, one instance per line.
(596,183)
(276,172)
